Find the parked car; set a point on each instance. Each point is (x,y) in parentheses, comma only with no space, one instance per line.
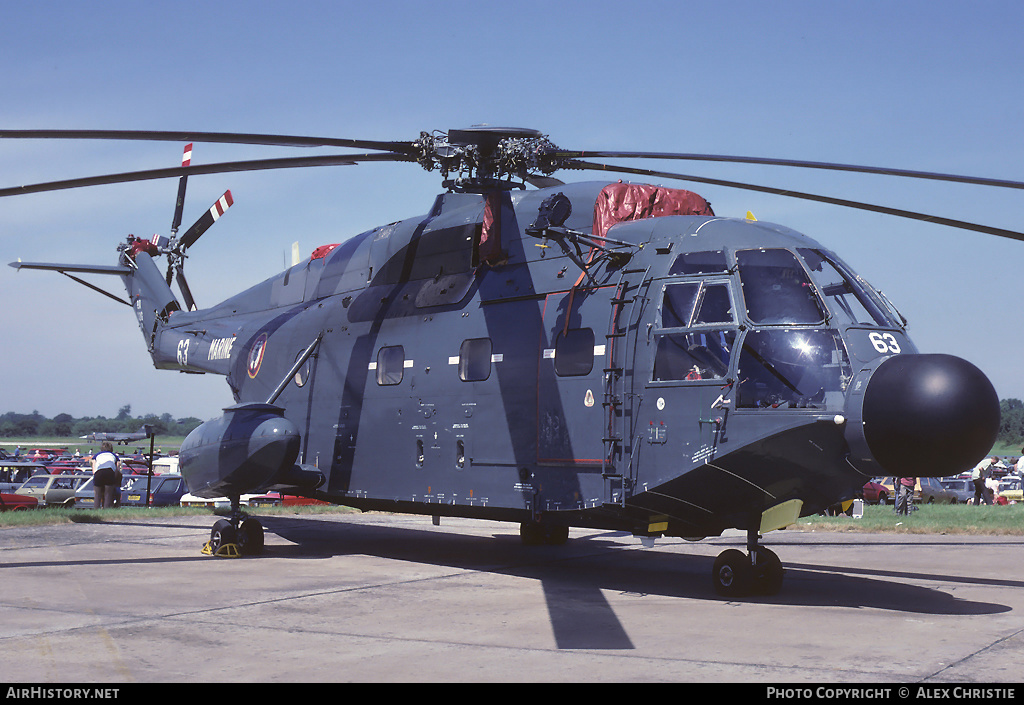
(85,495)
(191,500)
(932,492)
(13,473)
(886,482)
(130,466)
(1010,489)
(53,490)
(962,489)
(876,493)
(164,491)
(16,502)
(276,499)
(167,465)
(46,453)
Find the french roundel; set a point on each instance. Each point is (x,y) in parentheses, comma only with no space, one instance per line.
(256,355)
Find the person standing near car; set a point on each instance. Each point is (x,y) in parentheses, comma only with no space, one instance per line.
(105,473)
(978,476)
(905,495)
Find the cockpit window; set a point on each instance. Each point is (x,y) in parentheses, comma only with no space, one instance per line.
(677,304)
(715,306)
(848,298)
(696,303)
(694,355)
(712,262)
(776,288)
(797,368)
(700,333)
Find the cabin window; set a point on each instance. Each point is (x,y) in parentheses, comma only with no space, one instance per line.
(390,365)
(475,360)
(792,369)
(776,288)
(712,262)
(574,352)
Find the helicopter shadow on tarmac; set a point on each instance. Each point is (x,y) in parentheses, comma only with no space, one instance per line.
(576,576)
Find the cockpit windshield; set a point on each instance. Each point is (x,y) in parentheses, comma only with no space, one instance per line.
(848,298)
(792,368)
(776,288)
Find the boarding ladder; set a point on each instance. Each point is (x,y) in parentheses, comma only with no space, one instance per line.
(620,402)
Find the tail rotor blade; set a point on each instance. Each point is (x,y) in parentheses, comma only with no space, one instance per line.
(206,220)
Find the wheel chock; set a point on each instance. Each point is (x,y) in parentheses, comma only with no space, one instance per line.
(227,550)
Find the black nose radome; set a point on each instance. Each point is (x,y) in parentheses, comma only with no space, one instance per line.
(921,415)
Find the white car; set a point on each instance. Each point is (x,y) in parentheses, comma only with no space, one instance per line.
(246,500)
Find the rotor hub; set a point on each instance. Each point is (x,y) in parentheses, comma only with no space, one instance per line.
(486,157)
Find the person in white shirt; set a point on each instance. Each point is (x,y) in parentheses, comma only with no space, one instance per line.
(106,471)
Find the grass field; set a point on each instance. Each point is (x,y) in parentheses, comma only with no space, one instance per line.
(928,519)
(987,520)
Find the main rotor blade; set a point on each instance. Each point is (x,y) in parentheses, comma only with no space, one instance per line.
(935,176)
(1000,232)
(222,137)
(220,168)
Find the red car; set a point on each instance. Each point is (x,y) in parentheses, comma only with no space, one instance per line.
(275,499)
(875,493)
(16,502)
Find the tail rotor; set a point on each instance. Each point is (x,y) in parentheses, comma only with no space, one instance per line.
(177,246)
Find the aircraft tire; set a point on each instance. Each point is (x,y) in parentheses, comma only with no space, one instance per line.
(556,535)
(731,573)
(532,534)
(250,538)
(767,571)
(222,533)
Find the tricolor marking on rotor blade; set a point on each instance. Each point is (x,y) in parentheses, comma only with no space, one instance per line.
(186,157)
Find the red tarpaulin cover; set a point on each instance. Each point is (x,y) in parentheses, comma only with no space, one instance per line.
(323,251)
(621,202)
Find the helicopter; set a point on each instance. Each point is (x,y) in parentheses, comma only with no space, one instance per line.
(600,354)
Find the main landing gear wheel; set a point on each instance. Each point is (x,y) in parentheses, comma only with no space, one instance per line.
(731,573)
(250,538)
(240,535)
(758,572)
(767,571)
(223,540)
(535,533)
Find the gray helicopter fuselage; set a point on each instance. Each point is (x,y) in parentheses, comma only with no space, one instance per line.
(688,382)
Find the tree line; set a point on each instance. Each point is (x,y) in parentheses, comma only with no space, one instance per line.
(1011,421)
(15,425)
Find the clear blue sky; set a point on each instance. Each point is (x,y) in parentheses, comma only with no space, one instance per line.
(918,85)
